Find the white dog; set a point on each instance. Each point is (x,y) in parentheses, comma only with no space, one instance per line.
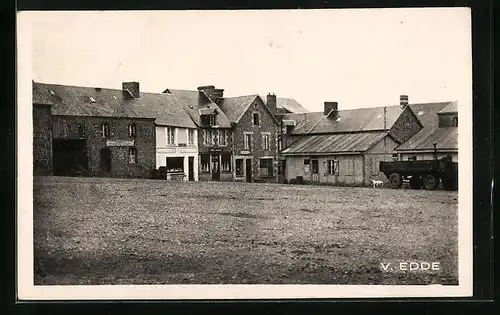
(377,183)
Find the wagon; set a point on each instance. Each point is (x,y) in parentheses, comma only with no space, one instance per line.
(425,173)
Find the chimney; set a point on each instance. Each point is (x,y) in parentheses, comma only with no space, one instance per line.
(209,91)
(218,93)
(329,107)
(271,103)
(403,100)
(132,87)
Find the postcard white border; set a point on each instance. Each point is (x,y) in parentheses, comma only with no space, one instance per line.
(26,289)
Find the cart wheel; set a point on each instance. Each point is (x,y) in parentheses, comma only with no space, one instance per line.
(395,180)
(415,182)
(431,182)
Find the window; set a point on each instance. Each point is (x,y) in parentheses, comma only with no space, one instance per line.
(332,167)
(265,142)
(395,157)
(226,163)
(182,137)
(132,155)
(132,130)
(412,158)
(248,141)
(170,135)
(455,121)
(175,164)
(105,130)
(213,120)
(239,167)
(266,167)
(191,136)
(256,119)
(81,130)
(223,137)
(205,163)
(306,165)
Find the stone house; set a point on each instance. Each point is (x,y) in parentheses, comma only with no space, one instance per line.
(344,147)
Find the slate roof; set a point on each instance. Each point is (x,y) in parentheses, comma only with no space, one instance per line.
(351,120)
(334,143)
(451,108)
(287,105)
(427,113)
(445,139)
(104,102)
(235,107)
(193,102)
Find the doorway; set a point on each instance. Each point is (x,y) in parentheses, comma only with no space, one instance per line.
(191,168)
(70,157)
(105,160)
(315,170)
(215,167)
(248,170)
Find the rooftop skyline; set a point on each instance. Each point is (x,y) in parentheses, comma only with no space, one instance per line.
(359,58)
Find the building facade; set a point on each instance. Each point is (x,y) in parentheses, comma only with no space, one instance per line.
(344,147)
(103,146)
(255,137)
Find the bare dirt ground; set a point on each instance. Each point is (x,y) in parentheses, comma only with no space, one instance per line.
(120,231)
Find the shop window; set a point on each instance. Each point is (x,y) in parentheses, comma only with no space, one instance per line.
(132,155)
(175,164)
(132,130)
(239,167)
(205,163)
(266,167)
(105,130)
(226,163)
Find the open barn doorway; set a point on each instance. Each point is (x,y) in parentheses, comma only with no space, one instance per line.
(70,157)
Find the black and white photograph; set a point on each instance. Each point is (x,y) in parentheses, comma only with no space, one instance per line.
(245,154)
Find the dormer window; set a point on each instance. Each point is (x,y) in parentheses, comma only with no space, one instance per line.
(213,120)
(132,130)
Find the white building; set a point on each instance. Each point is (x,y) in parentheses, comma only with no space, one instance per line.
(177,150)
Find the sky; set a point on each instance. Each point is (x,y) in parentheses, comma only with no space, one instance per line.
(359,58)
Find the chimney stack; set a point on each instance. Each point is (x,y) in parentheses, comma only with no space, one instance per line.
(403,100)
(132,88)
(271,103)
(209,91)
(330,107)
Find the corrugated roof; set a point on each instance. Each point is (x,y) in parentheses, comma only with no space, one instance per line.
(104,102)
(193,101)
(334,143)
(445,139)
(235,107)
(451,108)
